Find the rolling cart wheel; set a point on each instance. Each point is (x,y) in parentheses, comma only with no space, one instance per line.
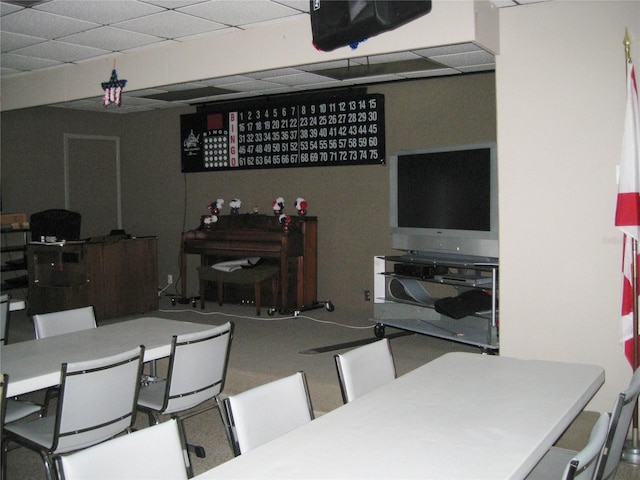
(329,306)
(378,330)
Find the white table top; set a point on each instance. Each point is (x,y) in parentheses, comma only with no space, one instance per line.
(461,416)
(35,364)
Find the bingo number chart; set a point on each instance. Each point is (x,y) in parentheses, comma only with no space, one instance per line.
(343,130)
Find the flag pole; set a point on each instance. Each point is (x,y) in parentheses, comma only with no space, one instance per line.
(631,453)
(631,450)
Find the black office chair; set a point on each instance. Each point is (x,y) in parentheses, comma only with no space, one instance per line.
(55,222)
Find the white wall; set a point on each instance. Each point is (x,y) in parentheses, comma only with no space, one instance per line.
(560,82)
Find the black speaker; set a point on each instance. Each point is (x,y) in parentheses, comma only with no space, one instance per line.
(338,23)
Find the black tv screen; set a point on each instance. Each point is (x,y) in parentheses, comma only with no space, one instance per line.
(450,190)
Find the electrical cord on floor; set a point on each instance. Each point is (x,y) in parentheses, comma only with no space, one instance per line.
(272,319)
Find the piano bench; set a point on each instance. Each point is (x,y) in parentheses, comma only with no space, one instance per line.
(254,275)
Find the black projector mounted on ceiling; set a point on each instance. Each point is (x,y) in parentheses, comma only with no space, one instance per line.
(338,23)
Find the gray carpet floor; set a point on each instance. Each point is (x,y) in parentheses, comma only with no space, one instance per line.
(268,347)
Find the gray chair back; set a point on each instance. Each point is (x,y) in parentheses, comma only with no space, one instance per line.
(154,452)
(263,413)
(97,400)
(583,465)
(197,367)
(64,321)
(365,368)
(621,418)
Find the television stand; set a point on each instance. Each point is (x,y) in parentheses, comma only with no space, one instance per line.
(408,290)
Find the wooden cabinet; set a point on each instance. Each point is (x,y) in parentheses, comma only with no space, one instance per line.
(118,277)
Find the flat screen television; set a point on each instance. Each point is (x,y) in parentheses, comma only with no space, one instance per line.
(444,202)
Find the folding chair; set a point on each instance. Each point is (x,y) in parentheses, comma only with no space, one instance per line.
(365,368)
(263,413)
(97,401)
(196,373)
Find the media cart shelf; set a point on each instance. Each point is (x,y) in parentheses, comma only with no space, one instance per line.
(15,230)
(408,286)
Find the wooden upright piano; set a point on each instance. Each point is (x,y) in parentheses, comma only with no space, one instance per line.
(254,235)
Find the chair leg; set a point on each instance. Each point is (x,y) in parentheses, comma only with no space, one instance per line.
(220,285)
(3,458)
(275,287)
(257,287)
(225,422)
(49,466)
(44,455)
(185,446)
(153,419)
(203,287)
(51,393)
(197,449)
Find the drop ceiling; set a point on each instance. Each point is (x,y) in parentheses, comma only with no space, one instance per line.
(50,34)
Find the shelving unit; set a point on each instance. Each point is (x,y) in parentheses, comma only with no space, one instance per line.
(15,231)
(407,288)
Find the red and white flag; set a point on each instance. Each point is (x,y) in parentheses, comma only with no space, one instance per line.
(628,208)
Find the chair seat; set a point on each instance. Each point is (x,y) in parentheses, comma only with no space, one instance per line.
(553,462)
(152,396)
(18,409)
(39,431)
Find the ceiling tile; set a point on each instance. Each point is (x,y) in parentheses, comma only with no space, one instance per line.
(173,4)
(8,71)
(463,59)
(448,50)
(22,62)
(234,12)
(299,79)
(436,72)
(103,12)
(392,57)
(251,86)
(225,81)
(62,52)
(12,41)
(7,8)
(279,72)
(169,24)
(116,38)
(302,5)
(47,25)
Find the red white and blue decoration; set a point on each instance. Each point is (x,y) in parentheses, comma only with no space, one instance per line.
(113,89)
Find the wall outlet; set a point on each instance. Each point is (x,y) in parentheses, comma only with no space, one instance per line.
(367,295)
(169,279)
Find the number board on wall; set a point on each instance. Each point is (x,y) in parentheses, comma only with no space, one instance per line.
(345,130)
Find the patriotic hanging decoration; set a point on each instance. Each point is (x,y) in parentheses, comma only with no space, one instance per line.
(113,89)
(628,214)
